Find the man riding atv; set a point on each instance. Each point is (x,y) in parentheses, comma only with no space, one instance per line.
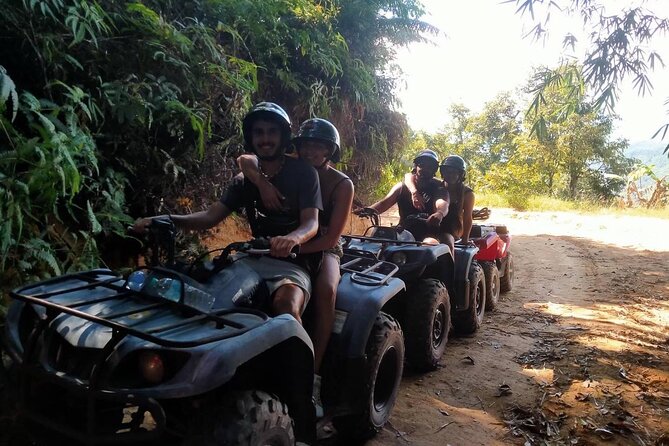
(433,197)
(457,222)
(267,132)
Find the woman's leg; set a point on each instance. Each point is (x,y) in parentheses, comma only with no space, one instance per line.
(324,295)
(450,241)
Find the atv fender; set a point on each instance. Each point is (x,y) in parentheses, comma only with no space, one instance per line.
(357,306)
(464,256)
(417,258)
(212,365)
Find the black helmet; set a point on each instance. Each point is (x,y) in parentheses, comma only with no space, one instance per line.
(428,155)
(269,111)
(321,130)
(455,162)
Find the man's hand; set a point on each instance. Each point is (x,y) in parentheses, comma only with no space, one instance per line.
(282,245)
(417,200)
(434,220)
(272,199)
(141,225)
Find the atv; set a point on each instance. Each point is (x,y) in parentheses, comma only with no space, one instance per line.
(494,256)
(440,289)
(188,354)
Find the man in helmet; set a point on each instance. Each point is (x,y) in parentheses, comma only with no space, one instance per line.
(267,131)
(317,142)
(433,198)
(458,221)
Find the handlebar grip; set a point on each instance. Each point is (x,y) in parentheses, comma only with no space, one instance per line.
(265,252)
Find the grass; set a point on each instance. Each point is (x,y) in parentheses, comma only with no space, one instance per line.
(544,204)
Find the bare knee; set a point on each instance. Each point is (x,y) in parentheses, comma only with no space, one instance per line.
(327,281)
(288,299)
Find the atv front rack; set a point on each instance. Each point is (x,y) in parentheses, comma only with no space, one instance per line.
(367,270)
(388,241)
(105,288)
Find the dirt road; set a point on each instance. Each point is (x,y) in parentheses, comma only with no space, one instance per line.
(576,353)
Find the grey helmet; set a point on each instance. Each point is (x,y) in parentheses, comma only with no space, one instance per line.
(454,162)
(430,156)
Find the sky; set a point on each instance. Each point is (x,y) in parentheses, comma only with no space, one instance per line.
(482,52)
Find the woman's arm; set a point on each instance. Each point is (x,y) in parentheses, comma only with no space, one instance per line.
(270,195)
(343,200)
(467,209)
(416,197)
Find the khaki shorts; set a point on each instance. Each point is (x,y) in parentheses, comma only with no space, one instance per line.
(277,273)
(337,250)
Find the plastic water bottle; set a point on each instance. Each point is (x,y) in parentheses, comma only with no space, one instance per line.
(197,298)
(169,289)
(136,280)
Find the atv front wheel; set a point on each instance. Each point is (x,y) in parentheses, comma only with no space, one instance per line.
(506,281)
(491,274)
(383,372)
(428,320)
(468,321)
(249,418)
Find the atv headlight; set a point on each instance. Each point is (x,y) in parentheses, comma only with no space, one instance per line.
(146,368)
(152,367)
(398,258)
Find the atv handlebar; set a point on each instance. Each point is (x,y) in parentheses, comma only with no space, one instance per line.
(422,217)
(257,246)
(481,214)
(370,213)
(161,238)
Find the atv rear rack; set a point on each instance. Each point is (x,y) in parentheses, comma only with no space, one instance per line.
(114,288)
(381,240)
(367,270)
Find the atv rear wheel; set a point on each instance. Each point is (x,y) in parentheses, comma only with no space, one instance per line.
(491,274)
(249,418)
(506,281)
(383,372)
(427,322)
(468,321)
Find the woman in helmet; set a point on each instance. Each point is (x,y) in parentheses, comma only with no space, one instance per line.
(458,221)
(317,142)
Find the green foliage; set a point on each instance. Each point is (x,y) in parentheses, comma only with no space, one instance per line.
(574,158)
(618,47)
(124,107)
(391,174)
(50,185)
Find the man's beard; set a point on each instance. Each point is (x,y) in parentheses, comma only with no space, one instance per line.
(273,157)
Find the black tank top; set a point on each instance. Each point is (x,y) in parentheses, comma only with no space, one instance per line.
(452,223)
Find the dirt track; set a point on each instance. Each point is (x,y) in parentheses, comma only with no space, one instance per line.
(581,341)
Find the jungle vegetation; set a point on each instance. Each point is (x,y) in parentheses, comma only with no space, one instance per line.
(114,110)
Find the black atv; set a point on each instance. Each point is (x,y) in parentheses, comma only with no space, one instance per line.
(440,289)
(160,357)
